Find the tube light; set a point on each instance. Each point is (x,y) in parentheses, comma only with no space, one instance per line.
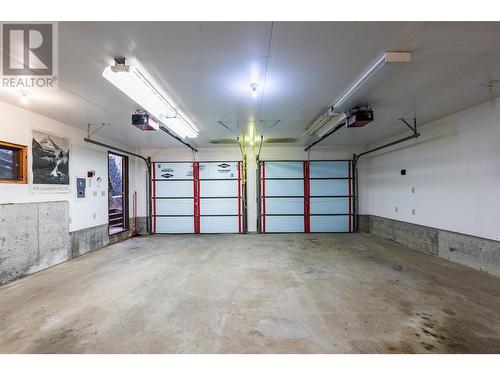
(135,82)
(388,57)
(325,122)
(334,121)
(317,124)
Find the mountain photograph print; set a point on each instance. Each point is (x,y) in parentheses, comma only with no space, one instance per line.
(50,161)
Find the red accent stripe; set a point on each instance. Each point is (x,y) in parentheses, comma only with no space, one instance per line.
(305,195)
(195,203)
(154,198)
(239,198)
(307,201)
(263,167)
(199,194)
(350,198)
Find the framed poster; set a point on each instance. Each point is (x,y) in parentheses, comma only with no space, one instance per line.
(50,161)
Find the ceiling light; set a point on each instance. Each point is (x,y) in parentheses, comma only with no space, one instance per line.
(324,122)
(24,100)
(388,57)
(142,88)
(254,87)
(333,122)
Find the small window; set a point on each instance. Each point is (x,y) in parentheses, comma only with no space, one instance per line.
(13,163)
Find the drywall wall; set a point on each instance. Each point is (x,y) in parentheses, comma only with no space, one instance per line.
(16,126)
(453,175)
(234,153)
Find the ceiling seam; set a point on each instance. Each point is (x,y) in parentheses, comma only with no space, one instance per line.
(268,57)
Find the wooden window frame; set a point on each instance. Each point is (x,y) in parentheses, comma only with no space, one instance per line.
(23,161)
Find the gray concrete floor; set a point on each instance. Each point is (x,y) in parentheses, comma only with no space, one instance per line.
(323,293)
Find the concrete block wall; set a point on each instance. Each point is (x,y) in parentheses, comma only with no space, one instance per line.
(86,240)
(476,252)
(33,236)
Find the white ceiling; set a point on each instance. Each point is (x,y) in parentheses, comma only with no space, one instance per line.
(207,67)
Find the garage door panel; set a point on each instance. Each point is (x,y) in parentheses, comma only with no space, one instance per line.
(284,224)
(218,170)
(219,206)
(329,223)
(329,187)
(173,171)
(329,206)
(328,169)
(289,206)
(174,189)
(311,196)
(174,207)
(174,224)
(284,188)
(218,196)
(219,224)
(219,188)
(284,169)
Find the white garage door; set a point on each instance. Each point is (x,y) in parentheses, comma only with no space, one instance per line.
(306,196)
(197,197)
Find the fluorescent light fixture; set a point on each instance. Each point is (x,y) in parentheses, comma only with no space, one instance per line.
(325,122)
(317,124)
(388,57)
(334,121)
(135,82)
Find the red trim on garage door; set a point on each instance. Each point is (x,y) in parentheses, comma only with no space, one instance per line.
(263,179)
(154,197)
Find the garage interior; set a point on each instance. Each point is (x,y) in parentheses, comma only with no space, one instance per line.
(254,187)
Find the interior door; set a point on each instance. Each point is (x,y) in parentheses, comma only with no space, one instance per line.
(117,193)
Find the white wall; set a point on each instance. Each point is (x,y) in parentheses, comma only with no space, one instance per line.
(15,127)
(455,169)
(233,153)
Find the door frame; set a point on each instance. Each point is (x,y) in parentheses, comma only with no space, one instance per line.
(125,191)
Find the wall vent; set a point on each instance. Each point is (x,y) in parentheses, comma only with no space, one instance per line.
(224,141)
(280,140)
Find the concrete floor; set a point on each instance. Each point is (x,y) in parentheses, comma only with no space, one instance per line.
(314,293)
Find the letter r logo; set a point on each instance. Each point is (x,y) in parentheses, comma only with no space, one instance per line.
(27,49)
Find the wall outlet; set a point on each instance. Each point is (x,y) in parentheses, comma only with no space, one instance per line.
(396,209)
(93,216)
(103,193)
(413,211)
(69,220)
(94,193)
(413,189)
